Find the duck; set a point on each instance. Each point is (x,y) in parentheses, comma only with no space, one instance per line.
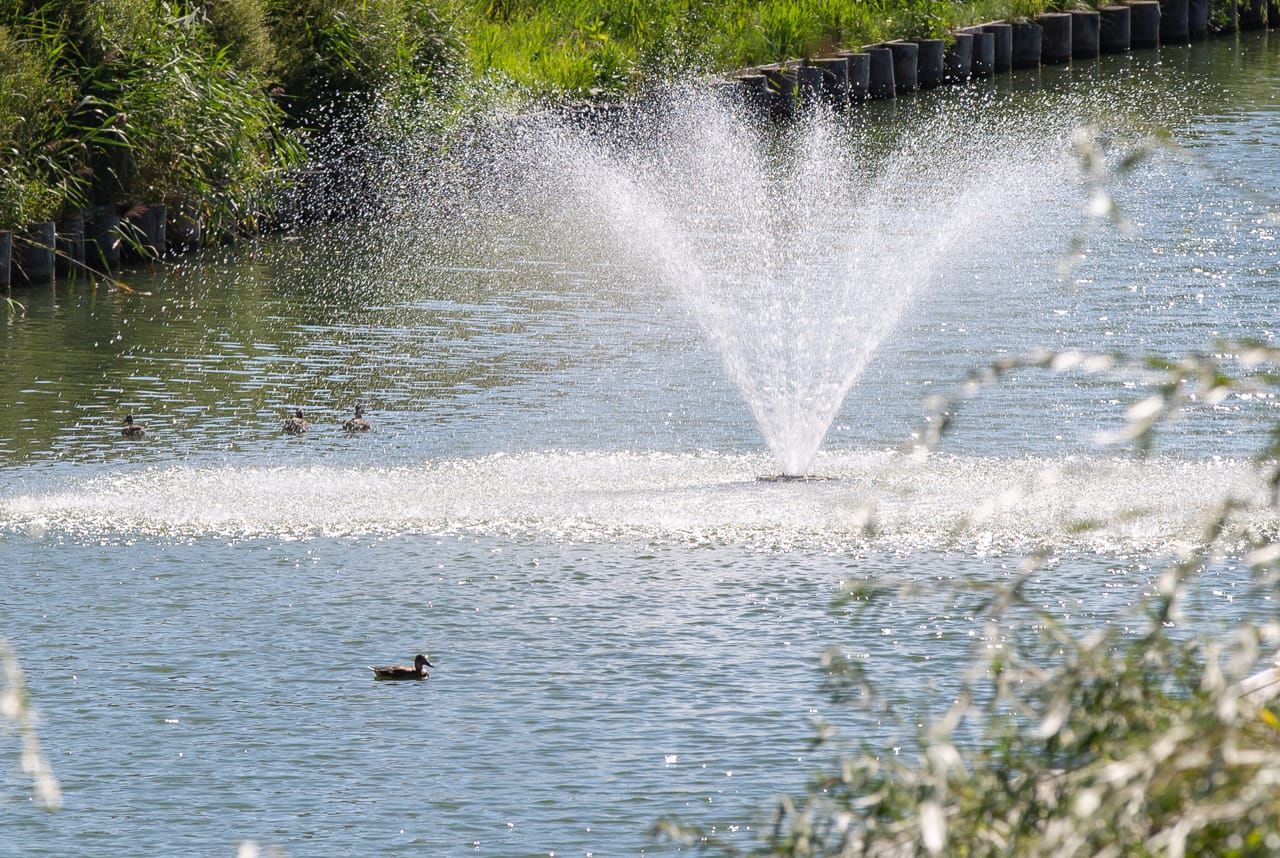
(357,423)
(131,429)
(296,424)
(404,671)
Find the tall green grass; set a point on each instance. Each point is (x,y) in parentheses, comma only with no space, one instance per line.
(586,48)
(188,126)
(330,48)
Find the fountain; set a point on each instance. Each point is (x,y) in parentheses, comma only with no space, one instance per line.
(797,248)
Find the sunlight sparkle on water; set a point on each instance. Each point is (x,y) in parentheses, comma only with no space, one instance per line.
(885,500)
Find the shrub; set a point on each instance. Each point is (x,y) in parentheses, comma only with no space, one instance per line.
(176,117)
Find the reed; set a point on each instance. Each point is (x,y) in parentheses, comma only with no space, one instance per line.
(328,49)
(181,122)
(29,102)
(133,107)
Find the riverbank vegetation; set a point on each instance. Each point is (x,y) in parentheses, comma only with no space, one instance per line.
(203,107)
(213,107)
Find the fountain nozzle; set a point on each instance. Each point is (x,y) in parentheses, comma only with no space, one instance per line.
(791,478)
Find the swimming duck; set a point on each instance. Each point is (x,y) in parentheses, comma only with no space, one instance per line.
(131,429)
(403,671)
(357,423)
(296,425)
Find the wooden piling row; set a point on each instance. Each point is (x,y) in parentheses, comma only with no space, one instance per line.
(899,67)
(96,240)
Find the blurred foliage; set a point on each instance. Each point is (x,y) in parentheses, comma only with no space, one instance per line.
(17,714)
(1222,15)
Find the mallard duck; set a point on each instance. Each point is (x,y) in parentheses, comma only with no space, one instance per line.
(296,425)
(403,671)
(131,429)
(357,423)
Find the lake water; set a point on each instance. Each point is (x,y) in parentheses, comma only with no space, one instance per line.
(559,503)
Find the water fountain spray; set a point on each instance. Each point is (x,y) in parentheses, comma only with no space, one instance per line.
(797,248)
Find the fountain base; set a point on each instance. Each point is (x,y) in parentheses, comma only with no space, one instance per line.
(792,478)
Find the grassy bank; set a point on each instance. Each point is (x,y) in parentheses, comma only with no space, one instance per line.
(212,107)
(605,45)
(594,47)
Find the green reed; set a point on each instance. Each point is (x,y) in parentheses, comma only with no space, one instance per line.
(29,97)
(135,103)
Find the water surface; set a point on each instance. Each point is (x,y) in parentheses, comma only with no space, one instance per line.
(559,501)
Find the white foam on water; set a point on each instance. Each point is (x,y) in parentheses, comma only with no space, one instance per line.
(874,501)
